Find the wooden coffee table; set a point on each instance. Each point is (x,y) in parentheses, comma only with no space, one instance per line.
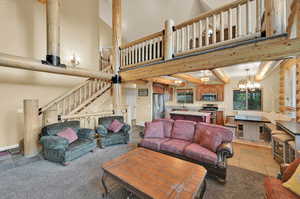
(152,175)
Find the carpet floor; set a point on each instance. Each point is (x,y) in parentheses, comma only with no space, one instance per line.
(81,180)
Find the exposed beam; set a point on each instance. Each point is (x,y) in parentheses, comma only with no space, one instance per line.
(265,50)
(282,89)
(265,69)
(42,1)
(12,61)
(188,78)
(166,81)
(221,75)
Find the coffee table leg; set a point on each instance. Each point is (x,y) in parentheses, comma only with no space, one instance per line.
(202,192)
(105,195)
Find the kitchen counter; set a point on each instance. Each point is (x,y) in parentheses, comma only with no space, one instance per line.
(194,113)
(191,115)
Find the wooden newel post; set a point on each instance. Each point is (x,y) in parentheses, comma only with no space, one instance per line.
(53,32)
(31,127)
(298,91)
(168,40)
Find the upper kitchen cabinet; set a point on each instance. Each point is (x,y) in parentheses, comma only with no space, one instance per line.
(210,92)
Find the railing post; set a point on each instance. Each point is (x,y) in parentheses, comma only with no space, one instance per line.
(168,40)
(31,127)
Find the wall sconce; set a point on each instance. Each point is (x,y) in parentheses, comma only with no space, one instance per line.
(75,60)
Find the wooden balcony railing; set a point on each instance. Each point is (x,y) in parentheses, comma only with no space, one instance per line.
(238,21)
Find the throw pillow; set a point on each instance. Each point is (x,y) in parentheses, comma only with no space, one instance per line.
(293,184)
(210,140)
(289,171)
(154,130)
(69,134)
(115,126)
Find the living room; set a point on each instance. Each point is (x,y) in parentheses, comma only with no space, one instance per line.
(205,106)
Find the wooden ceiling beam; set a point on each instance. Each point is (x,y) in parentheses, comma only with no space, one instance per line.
(221,75)
(188,78)
(266,50)
(265,69)
(165,81)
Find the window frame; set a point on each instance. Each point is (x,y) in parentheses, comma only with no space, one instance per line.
(247,108)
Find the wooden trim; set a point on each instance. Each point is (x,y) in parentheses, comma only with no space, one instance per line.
(142,63)
(188,78)
(211,13)
(264,50)
(146,38)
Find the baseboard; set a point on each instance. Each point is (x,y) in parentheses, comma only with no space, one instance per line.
(9,147)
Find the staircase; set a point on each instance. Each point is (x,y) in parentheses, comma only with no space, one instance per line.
(75,100)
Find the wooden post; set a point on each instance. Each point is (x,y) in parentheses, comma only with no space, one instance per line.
(168,40)
(282,89)
(117,42)
(31,127)
(53,32)
(268,18)
(298,90)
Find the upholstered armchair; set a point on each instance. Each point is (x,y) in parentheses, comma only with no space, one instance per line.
(108,137)
(58,149)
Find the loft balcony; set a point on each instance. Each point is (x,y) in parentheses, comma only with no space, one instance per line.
(242,31)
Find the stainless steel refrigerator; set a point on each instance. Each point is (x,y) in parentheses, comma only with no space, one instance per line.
(158,106)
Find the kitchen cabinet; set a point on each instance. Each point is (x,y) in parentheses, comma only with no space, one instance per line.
(220,118)
(217,89)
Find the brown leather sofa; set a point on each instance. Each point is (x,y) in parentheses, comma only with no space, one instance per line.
(184,140)
(273,186)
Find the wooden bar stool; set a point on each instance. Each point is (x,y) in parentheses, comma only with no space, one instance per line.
(280,146)
(291,151)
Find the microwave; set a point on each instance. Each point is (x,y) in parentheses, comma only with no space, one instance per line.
(209,97)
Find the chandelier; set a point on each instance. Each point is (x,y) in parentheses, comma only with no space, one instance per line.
(248,84)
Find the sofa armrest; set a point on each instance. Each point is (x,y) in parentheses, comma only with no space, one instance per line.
(101,130)
(86,133)
(125,129)
(225,150)
(54,142)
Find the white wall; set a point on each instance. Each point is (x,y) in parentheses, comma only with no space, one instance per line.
(144,105)
(23,33)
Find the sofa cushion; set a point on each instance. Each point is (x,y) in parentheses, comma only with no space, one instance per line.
(275,190)
(175,146)
(289,171)
(183,130)
(153,143)
(225,133)
(69,134)
(209,139)
(154,130)
(168,126)
(115,126)
(199,153)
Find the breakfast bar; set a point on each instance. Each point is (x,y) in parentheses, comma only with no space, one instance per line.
(191,115)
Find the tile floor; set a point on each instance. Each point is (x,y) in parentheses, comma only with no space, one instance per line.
(258,159)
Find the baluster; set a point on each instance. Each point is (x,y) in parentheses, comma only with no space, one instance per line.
(222,27)
(207,32)
(214,39)
(140,52)
(135,54)
(230,24)
(143,51)
(150,50)
(200,34)
(248,18)
(284,15)
(177,41)
(147,50)
(123,57)
(258,15)
(158,48)
(194,36)
(129,56)
(126,56)
(239,21)
(188,37)
(183,39)
(57,108)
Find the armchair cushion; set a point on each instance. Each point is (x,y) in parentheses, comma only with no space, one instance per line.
(199,153)
(290,170)
(154,130)
(86,133)
(209,139)
(54,142)
(69,134)
(115,126)
(101,130)
(183,130)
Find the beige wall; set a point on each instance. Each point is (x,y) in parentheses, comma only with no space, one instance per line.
(23,24)
(144,105)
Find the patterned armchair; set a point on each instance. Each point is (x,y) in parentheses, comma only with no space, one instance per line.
(58,149)
(108,137)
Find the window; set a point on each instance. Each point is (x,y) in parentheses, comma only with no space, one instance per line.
(185,96)
(247,100)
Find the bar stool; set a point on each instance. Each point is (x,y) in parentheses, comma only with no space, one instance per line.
(280,146)
(291,151)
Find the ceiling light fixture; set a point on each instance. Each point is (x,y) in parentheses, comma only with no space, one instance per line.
(248,84)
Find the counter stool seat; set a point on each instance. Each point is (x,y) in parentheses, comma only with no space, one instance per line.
(276,132)
(291,151)
(280,146)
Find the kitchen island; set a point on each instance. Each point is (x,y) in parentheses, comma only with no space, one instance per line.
(191,115)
